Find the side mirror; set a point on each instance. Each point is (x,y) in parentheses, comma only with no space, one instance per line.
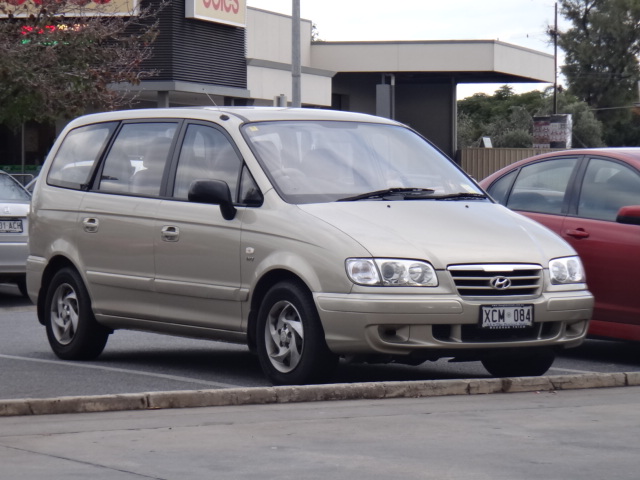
(629,215)
(214,192)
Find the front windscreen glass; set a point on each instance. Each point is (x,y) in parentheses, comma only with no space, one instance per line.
(327,161)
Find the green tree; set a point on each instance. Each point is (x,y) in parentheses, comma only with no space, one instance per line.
(601,62)
(508,118)
(56,60)
(504,116)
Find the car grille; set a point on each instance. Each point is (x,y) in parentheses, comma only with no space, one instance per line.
(497,280)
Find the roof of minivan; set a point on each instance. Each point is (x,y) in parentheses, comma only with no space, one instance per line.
(247,114)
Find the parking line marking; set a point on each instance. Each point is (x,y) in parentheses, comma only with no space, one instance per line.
(124,370)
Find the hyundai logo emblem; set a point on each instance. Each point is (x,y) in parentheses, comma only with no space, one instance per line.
(500,283)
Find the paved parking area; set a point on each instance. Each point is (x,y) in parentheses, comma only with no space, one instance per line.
(586,434)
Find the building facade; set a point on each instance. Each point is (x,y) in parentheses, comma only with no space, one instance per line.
(219,52)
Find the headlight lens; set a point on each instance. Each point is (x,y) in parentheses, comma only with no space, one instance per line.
(391,272)
(362,271)
(566,270)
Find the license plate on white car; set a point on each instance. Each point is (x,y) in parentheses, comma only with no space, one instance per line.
(10,226)
(507,316)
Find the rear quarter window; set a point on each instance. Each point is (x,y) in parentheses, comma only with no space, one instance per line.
(501,187)
(74,161)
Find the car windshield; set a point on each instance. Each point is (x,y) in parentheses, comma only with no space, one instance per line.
(11,190)
(327,161)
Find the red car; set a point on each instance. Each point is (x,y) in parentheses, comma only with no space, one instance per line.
(591,198)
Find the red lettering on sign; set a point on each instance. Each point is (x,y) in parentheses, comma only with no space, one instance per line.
(232,6)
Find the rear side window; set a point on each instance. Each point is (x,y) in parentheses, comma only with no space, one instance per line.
(74,161)
(606,188)
(541,187)
(136,161)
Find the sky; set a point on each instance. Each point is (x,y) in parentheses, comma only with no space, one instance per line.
(518,22)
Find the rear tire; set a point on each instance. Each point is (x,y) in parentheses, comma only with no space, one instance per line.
(291,346)
(526,363)
(72,329)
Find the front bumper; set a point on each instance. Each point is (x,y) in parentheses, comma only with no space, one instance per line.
(414,324)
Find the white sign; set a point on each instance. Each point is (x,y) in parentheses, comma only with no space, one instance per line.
(230,12)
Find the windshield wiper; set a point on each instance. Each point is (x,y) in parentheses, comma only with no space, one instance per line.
(405,193)
(461,196)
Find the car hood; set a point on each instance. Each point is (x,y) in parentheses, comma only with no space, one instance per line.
(443,232)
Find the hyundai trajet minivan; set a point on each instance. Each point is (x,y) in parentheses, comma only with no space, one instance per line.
(309,235)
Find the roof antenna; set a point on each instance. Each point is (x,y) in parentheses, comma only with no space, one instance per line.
(210,98)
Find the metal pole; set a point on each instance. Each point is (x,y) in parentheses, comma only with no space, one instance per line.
(22,149)
(296,69)
(555,61)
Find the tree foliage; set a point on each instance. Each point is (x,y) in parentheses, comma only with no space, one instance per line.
(601,61)
(507,118)
(56,61)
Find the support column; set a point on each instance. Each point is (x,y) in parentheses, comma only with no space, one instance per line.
(163,99)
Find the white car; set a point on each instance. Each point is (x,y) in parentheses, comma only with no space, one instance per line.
(14,207)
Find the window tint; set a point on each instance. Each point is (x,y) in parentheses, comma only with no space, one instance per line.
(76,156)
(206,154)
(541,187)
(135,163)
(607,186)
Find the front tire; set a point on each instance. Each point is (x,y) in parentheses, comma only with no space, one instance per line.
(72,330)
(526,363)
(291,346)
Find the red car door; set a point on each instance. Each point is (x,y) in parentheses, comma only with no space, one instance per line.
(578,195)
(610,252)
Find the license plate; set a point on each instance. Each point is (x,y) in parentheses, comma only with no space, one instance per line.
(507,316)
(10,226)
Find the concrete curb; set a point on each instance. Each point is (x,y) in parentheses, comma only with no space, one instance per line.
(311,393)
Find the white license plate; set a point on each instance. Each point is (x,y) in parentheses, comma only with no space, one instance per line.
(507,316)
(10,226)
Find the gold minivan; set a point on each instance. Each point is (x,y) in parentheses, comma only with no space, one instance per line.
(309,235)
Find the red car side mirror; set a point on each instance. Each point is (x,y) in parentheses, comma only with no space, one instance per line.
(629,215)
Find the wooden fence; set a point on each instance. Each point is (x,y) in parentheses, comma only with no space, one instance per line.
(482,162)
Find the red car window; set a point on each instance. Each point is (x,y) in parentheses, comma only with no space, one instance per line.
(607,187)
(541,186)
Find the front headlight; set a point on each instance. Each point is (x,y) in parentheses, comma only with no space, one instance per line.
(566,270)
(391,272)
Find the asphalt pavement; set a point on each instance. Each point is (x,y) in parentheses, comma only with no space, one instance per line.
(553,427)
(590,434)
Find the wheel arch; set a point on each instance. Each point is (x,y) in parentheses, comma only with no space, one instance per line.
(260,290)
(55,264)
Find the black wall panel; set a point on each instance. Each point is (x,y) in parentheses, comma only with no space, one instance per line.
(198,51)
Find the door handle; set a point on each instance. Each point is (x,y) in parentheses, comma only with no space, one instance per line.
(169,233)
(90,225)
(577,233)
